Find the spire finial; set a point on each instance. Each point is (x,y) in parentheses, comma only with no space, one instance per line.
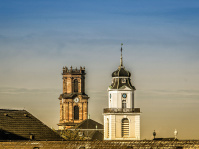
(121,61)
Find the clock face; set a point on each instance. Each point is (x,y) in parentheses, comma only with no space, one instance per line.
(124,95)
(76,99)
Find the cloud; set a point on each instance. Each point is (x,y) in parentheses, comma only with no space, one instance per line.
(171,92)
(12,90)
(169,98)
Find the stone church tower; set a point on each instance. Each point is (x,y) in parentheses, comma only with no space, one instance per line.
(121,119)
(73,100)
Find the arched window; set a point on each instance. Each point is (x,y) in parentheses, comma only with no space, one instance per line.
(75,85)
(123,104)
(125,127)
(76,112)
(107,128)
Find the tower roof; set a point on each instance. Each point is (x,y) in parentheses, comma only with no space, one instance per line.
(75,71)
(123,77)
(121,72)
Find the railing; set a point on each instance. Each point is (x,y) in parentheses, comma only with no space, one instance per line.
(122,110)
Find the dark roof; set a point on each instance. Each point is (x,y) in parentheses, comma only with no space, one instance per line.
(21,125)
(88,127)
(121,72)
(93,134)
(98,135)
(88,124)
(73,95)
(90,134)
(165,139)
(118,84)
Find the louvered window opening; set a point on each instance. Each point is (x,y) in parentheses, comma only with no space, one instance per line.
(76,112)
(125,127)
(76,86)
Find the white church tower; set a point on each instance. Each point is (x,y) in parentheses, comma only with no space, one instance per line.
(121,119)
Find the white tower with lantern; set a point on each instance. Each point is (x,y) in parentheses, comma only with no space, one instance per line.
(121,119)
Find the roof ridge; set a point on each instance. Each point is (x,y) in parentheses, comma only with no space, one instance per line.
(84,122)
(12,110)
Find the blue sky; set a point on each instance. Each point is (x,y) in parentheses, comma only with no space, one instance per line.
(38,38)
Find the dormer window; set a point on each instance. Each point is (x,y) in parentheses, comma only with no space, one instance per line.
(80,134)
(75,85)
(123,80)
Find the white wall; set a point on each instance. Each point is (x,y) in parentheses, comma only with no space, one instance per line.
(115,126)
(116,98)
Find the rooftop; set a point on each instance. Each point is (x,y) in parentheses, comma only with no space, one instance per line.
(88,124)
(21,125)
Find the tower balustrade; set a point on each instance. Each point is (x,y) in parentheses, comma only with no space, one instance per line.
(122,110)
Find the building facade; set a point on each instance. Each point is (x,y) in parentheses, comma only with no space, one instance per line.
(73,100)
(121,119)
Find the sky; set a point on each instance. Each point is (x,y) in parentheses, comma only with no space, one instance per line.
(39,37)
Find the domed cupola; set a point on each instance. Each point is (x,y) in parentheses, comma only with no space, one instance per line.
(121,77)
(121,72)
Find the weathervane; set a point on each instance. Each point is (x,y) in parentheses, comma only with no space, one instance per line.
(121,61)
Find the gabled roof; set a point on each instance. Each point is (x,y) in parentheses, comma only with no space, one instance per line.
(89,129)
(124,87)
(21,125)
(88,124)
(92,134)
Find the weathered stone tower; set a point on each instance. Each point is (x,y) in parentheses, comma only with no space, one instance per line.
(73,100)
(121,119)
